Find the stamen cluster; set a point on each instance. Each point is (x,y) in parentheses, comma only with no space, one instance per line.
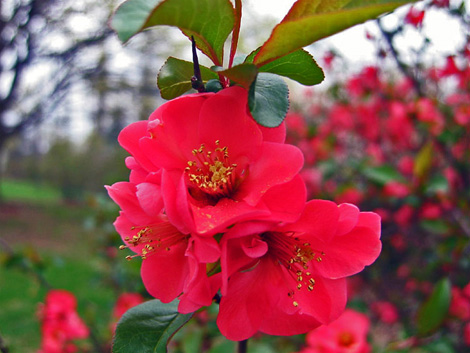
(212,172)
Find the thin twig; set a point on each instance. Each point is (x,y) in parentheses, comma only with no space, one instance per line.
(401,65)
(196,80)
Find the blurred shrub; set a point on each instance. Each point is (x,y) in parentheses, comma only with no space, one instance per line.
(76,170)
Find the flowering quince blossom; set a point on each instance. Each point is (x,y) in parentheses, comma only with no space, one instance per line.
(386,311)
(60,323)
(193,174)
(466,334)
(173,262)
(216,166)
(211,204)
(286,279)
(348,334)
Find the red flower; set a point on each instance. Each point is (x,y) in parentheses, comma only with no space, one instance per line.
(440,3)
(348,334)
(386,311)
(415,17)
(450,69)
(60,323)
(217,165)
(466,290)
(403,215)
(350,195)
(428,113)
(173,262)
(466,334)
(396,189)
(459,305)
(430,211)
(289,279)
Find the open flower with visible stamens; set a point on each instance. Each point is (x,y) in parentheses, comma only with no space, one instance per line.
(217,165)
(288,279)
(171,260)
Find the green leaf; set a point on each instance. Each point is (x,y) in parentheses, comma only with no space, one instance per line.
(382,174)
(436,226)
(268,99)
(174,77)
(243,74)
(209,21)
(437,184)
(148,327)
(130,17)
(433,312)
(309,21)
(298,66)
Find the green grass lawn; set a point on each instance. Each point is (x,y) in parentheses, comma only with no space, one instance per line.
(42,230)
(25,191)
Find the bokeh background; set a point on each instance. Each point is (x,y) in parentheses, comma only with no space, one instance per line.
(388,130)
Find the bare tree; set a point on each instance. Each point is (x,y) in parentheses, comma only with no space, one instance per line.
(38,63)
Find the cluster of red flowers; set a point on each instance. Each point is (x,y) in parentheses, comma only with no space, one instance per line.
(60,323)
(216,208)
(460,309)
(383,143)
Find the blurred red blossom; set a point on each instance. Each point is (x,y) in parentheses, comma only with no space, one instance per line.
(348,334)
(386,311)
(459,305)
(415,17)
(60,323)
(466,333)
(125,302)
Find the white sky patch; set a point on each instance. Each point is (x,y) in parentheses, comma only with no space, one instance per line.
(444,32)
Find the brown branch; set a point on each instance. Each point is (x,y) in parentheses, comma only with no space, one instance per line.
(243,346)
(396,56)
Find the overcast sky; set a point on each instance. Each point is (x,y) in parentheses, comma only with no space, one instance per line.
(444,33)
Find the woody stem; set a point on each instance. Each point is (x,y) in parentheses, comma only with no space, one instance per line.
(242,346)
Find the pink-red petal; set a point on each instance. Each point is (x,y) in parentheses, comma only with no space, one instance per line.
(348,254)
(269,170)
(223,118)
(124,194)
(319,219)
(150,198)
(348,217)
(209,220)
(286,201)
(164,273)
(129,139)
(326,301)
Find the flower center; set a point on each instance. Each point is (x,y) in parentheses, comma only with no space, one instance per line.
(295,256)
(345,339)
(212,172)
(150,239)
